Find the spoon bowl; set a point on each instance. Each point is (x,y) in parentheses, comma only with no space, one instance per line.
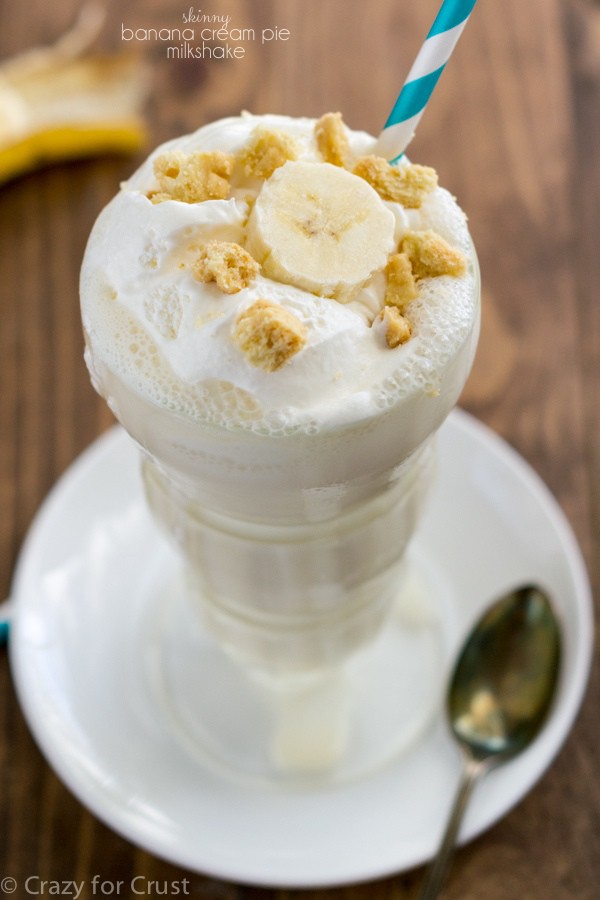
(505,678)
(500,693)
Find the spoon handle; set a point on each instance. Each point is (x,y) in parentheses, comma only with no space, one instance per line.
(473,769)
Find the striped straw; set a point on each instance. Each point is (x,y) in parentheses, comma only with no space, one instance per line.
(4,621)
(423,77)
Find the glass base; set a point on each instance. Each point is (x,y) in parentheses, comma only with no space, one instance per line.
(329,726)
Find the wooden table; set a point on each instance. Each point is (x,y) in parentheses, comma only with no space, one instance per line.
(513,130)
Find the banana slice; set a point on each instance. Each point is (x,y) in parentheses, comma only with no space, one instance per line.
(56,104)
(320,228)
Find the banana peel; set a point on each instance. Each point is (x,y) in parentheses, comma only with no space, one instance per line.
(57,103)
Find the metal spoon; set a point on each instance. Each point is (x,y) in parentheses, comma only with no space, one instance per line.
(499,695)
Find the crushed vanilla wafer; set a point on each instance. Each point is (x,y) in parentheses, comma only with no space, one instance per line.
(406,184)
(228,264)
(397,327)
(192,178)
(401,286)
(332,140)
(266,151)
(430,255)
(269,335)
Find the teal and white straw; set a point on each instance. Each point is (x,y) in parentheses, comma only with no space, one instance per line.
(4,621)
(423,77)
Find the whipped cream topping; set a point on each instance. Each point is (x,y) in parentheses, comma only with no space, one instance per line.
(168,336)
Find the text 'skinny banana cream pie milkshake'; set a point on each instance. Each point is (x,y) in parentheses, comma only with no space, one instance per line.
(282,320)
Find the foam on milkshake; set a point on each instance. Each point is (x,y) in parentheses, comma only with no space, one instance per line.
(155,333)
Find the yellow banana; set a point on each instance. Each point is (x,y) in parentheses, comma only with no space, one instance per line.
(57,104)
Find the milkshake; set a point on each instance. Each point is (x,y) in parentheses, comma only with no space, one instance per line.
(282,321)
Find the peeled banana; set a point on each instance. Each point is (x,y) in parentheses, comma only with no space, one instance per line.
(57,104)
(318,227)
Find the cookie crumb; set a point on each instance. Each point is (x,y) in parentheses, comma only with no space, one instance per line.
(397,327)
(430,255)
(192,178)
(228,264)
(401,285)
(266,151)
(269,335)
(406,184)
(332,140)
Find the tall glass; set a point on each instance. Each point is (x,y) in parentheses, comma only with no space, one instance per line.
(291,483)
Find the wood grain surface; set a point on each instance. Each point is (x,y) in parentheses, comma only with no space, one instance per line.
(514,131)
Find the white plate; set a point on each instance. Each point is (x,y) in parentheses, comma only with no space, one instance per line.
(93,556)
